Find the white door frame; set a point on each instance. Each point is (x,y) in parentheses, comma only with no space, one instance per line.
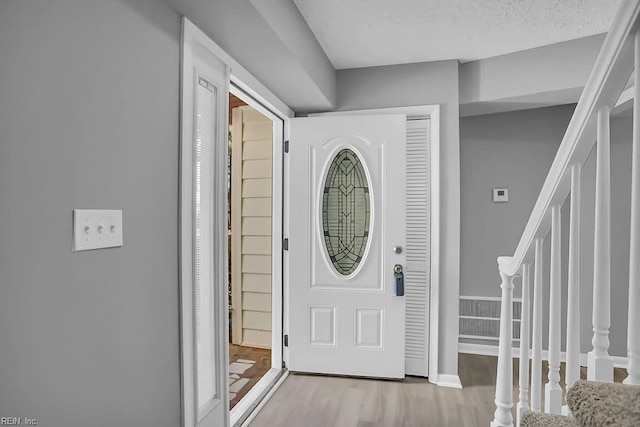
(268,104)
(248,403)
(433,113)
(276,216)
(196,50)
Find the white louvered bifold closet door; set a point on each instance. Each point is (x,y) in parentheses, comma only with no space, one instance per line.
(417,270)
(203,237)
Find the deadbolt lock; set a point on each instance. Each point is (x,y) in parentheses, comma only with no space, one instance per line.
(399,280)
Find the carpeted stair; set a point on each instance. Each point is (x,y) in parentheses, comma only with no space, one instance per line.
(593,404)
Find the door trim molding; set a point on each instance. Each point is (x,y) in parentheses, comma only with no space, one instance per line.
(257,96)
(194,41)
(277,284)
(267,103)
(431,112)
(265,399)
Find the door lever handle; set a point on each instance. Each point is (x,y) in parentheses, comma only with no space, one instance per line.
(399,282)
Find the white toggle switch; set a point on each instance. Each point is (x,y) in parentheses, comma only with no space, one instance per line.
(89,226)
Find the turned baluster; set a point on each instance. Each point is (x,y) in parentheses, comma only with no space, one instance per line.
(523,401)
(633,328)
(599,365)
(552,391)
(536,336)
(572,372)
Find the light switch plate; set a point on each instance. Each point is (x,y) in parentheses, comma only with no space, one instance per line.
(96,229)
(500,195)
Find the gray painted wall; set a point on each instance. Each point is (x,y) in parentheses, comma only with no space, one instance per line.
(287,22)
(304,82)
(509,150)
(421,84)
(539,77)
(272,41)
(515,150)
(89,119)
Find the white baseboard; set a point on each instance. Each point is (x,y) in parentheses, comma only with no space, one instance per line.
(492,350)
(452,381)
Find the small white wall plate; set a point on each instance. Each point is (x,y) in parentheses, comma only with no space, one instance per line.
(500,195)
(96,229)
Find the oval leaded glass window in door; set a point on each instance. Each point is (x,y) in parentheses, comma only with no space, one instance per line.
(346,212)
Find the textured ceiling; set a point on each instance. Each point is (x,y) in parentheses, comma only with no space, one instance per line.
(362,33)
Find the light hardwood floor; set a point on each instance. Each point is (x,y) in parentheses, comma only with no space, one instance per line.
(323,401)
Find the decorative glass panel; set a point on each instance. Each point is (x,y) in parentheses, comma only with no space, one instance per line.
(346,212)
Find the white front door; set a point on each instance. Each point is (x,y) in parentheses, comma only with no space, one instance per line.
(346,220)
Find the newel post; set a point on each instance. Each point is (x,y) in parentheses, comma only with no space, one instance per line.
(504,380)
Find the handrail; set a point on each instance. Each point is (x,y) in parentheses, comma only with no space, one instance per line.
(606,82)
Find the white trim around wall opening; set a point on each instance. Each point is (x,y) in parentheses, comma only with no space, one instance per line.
(254,400)
(203,124)
(195,45)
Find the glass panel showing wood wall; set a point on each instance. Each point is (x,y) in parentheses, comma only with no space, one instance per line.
(251,202)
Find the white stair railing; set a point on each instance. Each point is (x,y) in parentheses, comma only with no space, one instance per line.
(590,124)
